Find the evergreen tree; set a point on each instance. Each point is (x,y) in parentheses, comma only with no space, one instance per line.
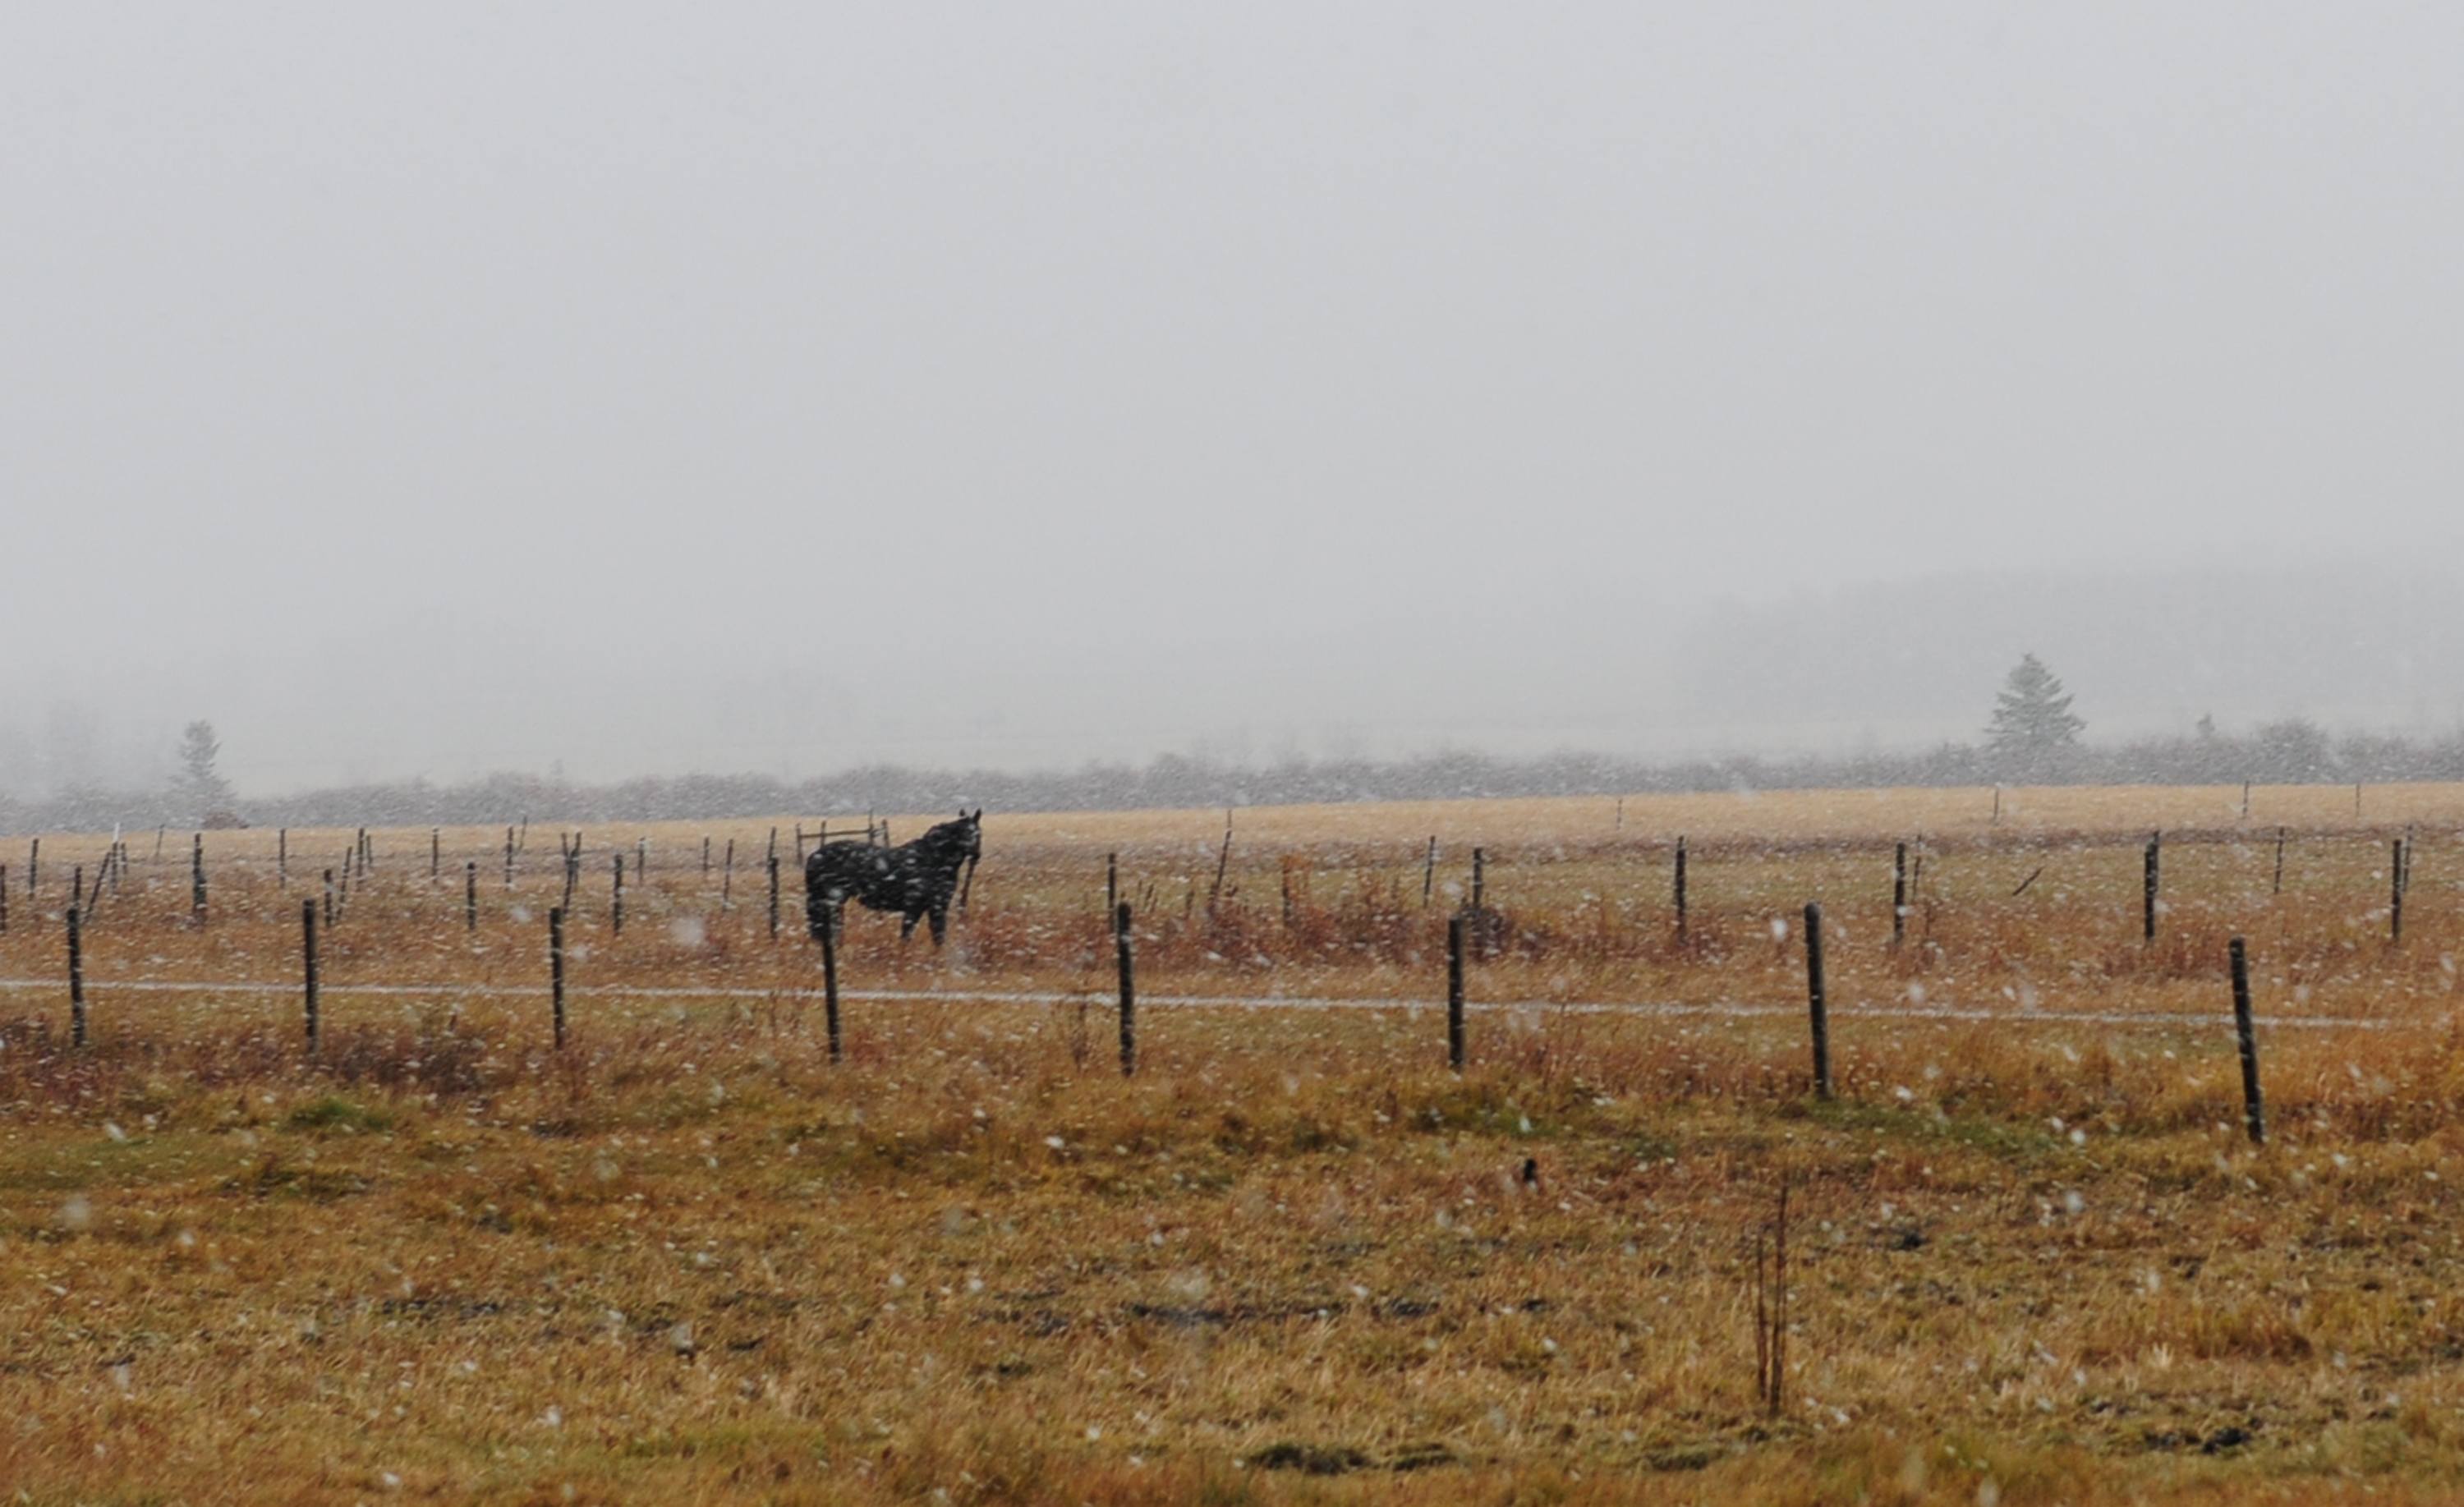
(200,783)
(2033,725)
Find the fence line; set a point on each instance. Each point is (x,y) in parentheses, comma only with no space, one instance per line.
(1718,1010)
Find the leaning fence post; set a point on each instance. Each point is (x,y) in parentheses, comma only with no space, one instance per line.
(76,979)
(1815,1003)
(829,930)
(2254,1112)
(1121,951)
(308,968)
(1455,992)
(556,969)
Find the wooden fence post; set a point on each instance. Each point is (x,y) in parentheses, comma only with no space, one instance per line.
(435,853)
(705,855)
(509,858)
(556,969)
(1429,873)
(830,976)
(2280,862)
(1223,865)
(2148,886)
(471,895)
(196,881)
(1121,951)
(1680,890)
(1479,878)
(727,881)
(1111,882)
(2395,893)
(34,868)
(1899,895)
(329,897)
(77,978)
(282,858)
(4,900)
(1455,992)
(1815,1002)
(774,896)
(616,900)
(308,970)
(2254,1111)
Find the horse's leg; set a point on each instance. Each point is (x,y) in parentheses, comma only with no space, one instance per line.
(906,923)
(940,916)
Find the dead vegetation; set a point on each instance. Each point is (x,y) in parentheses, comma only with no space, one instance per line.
(2031,1258)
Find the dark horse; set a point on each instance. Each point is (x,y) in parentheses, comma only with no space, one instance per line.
(914,879)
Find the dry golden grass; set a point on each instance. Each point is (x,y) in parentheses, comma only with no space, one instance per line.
(687,1258)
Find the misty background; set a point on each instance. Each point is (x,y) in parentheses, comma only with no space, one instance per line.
(612,391)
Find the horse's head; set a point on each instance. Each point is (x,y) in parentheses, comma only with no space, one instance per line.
(961,839)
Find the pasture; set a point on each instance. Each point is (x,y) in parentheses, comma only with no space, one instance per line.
(2033,1255)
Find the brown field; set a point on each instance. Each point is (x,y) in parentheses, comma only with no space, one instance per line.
(2033,1259)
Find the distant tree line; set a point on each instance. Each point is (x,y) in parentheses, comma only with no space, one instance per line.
(2294,751)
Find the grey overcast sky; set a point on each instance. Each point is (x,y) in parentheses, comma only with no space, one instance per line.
(446,388)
